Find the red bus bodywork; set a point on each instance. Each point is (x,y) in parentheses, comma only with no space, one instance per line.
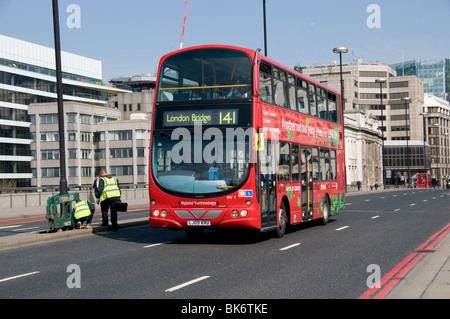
(246,207)
(423,180)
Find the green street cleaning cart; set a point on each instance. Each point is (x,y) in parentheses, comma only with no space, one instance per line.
(60,211)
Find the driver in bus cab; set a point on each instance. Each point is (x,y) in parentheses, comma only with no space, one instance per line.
(193,169)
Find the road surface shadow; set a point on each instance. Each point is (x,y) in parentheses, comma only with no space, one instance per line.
(151,236)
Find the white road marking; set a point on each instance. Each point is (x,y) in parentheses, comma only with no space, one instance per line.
(290,246)
(18,276)
(343,228)
(373,217)
(10,226)
(27,228)
(187,284)
(157,244)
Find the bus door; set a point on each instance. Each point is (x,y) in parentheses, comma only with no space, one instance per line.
(307,183)
(268,185)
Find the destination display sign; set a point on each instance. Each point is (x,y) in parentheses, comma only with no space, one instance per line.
(207,117)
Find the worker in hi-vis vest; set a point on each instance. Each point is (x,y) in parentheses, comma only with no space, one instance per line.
(109,193)
(83,212)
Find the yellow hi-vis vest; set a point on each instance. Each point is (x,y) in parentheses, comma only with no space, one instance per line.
(81,210)
(110,188)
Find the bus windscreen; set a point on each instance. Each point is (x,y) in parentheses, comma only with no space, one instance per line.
(204,75)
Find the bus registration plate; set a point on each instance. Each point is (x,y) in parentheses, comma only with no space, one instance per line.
(198,222)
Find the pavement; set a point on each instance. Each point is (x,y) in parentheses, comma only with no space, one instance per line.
(430,277)
(425,274)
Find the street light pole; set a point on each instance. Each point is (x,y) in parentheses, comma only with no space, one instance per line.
(407,99)
(59,91)
(438,147)
(446,158)
(381,81)
(424,141)
(265,32)
(341,50)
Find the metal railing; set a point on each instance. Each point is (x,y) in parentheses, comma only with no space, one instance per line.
(55,188)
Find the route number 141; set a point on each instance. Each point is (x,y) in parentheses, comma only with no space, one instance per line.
(227,118)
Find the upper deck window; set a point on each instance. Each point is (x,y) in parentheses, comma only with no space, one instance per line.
(205,74)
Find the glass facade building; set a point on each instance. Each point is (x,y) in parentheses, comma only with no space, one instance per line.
(27,75)
(434,73)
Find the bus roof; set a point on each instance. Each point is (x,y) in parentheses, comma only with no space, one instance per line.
(251,54)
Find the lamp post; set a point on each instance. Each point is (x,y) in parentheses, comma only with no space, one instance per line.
(446,157)
(265,32)
(424,141)
(59,91)
(381,81)
(438,149)
(341,50)
(407,99)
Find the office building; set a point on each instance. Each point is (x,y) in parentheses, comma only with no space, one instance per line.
(437,119)
(140,100)
(362,149)
(27,75)
(361,92)
(135,83)
(399,119)
(434,73)
(96,138)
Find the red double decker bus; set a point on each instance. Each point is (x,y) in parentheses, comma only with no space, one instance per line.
(240,141)
(423,180)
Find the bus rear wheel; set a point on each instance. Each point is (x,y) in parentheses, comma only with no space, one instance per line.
(326,211)
(282,222)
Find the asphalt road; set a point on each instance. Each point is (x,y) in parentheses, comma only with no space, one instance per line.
(310,261)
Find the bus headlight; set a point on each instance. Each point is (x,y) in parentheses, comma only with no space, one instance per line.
(163,213)
(155,213)
(234,213)
(153,202)
(244,213)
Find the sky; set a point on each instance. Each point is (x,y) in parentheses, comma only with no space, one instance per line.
(129,37)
